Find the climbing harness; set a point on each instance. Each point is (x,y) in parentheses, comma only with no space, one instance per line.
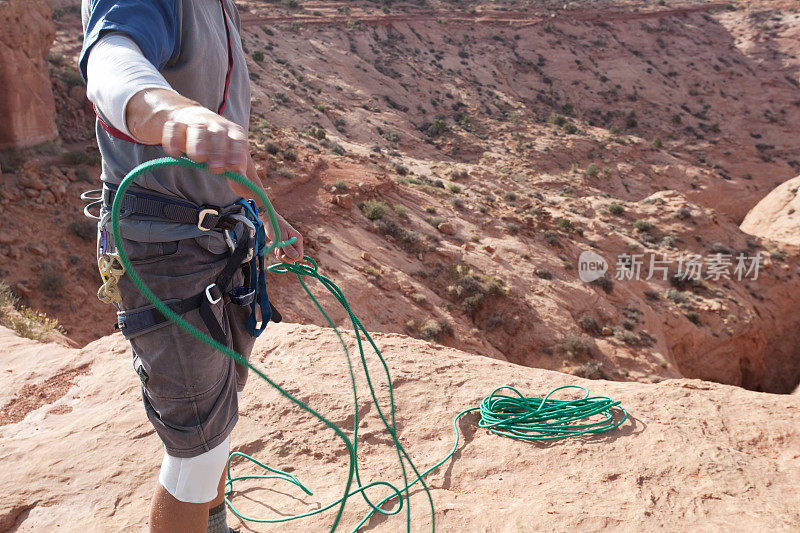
(511,415)
(257,275)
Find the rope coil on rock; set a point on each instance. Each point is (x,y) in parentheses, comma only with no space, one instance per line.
(515,416)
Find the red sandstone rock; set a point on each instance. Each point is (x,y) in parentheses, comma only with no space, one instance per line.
(27,109)
(82,419)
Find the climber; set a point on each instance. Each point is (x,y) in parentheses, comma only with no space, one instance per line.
(168,77)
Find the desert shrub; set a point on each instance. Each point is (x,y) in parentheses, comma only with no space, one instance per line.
(410,241)
(83,228)
(615,209)
(589,370)
(472,291)
(628,337)
(434,221)
(630,120)
(285,172)
(437,127)
(643,226)
(372,271)
(272,148)
(564,224)
(400,169)
(435,329)
(658,143)
(290,155)
(24,320)
(418,298)
(651,295)
(573,346)
(258,56)
(589,325)
(679,297)
(543,273)
(340,186)
(558,120)
(51,282)
(592,171)
(454,188)
(374,209)
(551,237)
(694,318)
(456,202)
(607,284)
(80,157)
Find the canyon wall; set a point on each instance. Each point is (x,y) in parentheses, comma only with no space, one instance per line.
(27,110)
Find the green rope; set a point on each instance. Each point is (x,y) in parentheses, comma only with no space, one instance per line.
(512,416)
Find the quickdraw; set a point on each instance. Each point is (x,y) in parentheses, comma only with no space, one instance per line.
(111,270)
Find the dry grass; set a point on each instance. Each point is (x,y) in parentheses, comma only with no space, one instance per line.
(27,322)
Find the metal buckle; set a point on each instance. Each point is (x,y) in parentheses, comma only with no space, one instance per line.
(229,235)
(201,217)
(210,298)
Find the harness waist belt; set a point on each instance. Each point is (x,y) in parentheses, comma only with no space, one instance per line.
(205,217)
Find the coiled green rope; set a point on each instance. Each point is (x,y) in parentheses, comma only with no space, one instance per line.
(513,416)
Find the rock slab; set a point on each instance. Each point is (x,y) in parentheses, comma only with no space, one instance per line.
(693,456)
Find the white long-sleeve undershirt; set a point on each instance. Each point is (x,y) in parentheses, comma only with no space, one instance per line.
(116,71)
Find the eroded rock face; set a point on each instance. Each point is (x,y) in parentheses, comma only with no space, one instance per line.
(27,109)
(777,216)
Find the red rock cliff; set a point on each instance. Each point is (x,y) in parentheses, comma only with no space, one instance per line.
(27,109)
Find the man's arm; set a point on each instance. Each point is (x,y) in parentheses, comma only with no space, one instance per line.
(182,126)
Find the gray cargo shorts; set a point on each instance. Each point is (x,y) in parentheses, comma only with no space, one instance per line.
(189,389)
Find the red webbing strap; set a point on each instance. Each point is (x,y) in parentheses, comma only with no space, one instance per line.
(230,60)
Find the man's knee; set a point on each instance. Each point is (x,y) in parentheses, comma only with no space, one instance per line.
(195,479)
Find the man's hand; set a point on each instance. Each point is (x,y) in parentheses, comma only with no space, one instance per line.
(290,253)
(183,126)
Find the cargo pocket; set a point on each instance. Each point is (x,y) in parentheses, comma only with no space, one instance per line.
(142,253)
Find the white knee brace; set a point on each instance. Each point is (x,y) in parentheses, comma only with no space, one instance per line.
(195,479)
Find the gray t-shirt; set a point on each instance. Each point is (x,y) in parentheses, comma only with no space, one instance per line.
(196,64)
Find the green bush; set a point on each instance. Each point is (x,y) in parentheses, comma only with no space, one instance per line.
(643,226)
(558,120)
(437,127)
(615,209)
(374,209)
(589,325)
